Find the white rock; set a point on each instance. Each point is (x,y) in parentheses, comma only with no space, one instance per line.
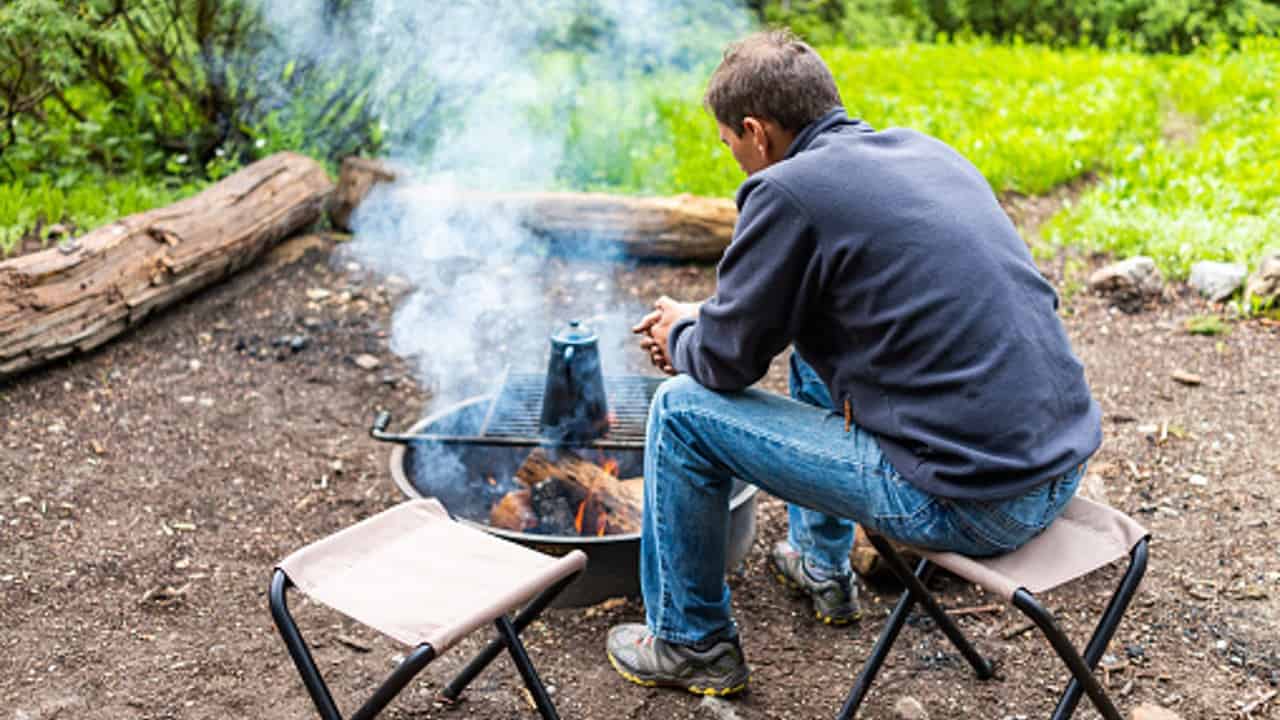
(718,709)
(1093,487)
(1265,283)
(909,708)
(1198,480)
(1217,280)
(1136,276)
(367,362)
(1148,711)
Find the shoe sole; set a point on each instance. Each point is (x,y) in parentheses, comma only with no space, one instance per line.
(798,590)
(691,687)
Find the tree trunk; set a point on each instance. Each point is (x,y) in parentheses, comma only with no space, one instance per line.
(75,297)
(683,227)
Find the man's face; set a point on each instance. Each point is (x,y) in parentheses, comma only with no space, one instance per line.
(746,148)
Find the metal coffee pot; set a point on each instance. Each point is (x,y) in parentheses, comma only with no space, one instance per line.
(574,406)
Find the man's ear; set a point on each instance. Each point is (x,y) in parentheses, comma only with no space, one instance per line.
(754,131)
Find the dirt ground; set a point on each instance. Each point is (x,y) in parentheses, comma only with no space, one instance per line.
(146,490)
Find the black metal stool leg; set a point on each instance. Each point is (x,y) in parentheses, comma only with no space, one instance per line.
(454,689)
(1106,627)
(298,648)
(881,650)
(531,680)
(1024,601)
(980,665)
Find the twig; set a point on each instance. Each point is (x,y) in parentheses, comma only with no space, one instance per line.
(976,610)
(1248,709)
(1018,630)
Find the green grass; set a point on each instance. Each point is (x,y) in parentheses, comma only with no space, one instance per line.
(87,205)
(1215,199)
(1029,117)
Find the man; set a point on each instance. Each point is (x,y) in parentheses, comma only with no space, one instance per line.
(935,396)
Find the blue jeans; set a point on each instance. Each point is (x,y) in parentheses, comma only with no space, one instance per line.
(798,450)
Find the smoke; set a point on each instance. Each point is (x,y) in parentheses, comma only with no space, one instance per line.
(475,95)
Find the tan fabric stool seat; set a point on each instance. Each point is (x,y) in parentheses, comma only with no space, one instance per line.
(416,575)
(1085,537)
(420,577)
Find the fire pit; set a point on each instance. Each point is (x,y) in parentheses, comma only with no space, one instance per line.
(477,455)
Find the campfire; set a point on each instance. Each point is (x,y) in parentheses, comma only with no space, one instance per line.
(559,492)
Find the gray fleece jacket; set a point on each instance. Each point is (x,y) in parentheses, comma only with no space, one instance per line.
(886,260)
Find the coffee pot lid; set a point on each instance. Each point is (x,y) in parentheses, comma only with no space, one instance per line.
(576,332)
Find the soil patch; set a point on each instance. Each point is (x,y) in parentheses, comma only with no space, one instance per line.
(146,490)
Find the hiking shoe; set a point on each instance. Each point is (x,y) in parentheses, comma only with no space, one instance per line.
(647,660)
(835,600)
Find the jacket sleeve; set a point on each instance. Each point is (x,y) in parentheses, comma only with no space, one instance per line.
(763,286)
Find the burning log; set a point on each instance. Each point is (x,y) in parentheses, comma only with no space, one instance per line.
(683,227)
(514,512)
(75,297)
(564,494)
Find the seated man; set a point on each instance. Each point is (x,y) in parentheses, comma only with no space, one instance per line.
(935,396)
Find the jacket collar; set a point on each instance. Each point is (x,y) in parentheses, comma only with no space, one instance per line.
(811,131)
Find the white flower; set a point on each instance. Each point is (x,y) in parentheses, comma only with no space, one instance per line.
(181,159)
(260,143)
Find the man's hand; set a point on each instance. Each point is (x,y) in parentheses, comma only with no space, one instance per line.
(655,329)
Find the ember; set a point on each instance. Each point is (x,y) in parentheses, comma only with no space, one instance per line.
(561,493)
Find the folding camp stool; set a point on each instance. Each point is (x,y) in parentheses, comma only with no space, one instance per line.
(1085,537)
(416,575)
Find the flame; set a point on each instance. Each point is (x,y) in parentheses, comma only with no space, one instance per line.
(610,466)
(600,531)
(577,520)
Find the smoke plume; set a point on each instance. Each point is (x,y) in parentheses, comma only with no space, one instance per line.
(494,96)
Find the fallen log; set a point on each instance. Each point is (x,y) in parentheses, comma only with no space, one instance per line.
(75,297)
(681,227)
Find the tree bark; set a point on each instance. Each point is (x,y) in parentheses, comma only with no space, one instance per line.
(682,227)
(75,297)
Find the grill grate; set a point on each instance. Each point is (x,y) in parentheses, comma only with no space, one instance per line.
(516,410)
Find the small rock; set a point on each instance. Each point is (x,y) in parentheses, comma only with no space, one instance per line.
(317,294)
(1094,488)
(1135,651)
(206,402)
(1217,280)
(1198,480)
(718,709)
(366,361)
(909,708)
(1186,378)
(1264,285)
(187,399)
(1128,281)
(194,365)
(298,343)
(56,230)
(311,323)
(1149,711)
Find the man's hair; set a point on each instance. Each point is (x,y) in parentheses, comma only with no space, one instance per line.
(771,75)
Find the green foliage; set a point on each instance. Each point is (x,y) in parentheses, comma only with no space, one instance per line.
(85,205)
(1030,118)
(1215,199)
(1207,325)
(1145,25)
